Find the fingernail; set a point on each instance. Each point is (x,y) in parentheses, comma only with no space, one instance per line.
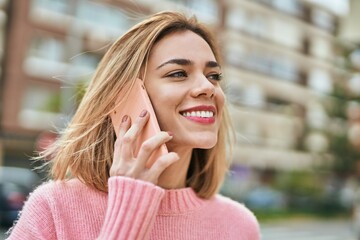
(143,113)
(170,134)
(125,118)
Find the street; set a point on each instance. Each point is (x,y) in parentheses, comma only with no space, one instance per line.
(308,230)
(299,230)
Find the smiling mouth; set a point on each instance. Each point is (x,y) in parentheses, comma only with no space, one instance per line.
(199,114)
(203,114)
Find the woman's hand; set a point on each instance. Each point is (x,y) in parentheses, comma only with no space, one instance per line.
(128,165)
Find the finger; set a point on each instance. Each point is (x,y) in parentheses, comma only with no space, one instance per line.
(149,146)
(162,163)
(123,128)
(128,140)
(139,124)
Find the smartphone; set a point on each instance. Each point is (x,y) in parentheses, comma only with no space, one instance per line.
(131,101)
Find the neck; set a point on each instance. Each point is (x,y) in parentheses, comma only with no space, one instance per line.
(174,176)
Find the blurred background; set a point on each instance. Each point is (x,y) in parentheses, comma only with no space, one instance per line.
(292,78)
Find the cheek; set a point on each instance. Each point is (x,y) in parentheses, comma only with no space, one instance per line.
(220,99)
(166,95)
(163,104)
(162,100)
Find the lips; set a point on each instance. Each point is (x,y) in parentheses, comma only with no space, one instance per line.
(201,114)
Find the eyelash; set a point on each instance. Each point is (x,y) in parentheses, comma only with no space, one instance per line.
(215,76)
(175,74)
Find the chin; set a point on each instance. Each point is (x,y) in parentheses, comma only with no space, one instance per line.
(206,144)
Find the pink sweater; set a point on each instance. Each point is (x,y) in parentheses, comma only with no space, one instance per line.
(133,209)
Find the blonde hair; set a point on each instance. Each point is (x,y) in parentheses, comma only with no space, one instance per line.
(85,148)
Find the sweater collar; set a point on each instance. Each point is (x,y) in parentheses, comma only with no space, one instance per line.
(181,200)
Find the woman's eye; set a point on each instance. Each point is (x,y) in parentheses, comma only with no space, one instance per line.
(180,74)
(215,76)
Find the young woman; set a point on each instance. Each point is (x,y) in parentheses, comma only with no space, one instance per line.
(102,190)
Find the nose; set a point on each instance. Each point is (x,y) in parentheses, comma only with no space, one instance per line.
(203,87)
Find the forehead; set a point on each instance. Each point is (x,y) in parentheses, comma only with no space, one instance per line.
(185,44)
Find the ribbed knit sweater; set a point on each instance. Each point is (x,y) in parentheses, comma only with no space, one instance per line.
(132,209)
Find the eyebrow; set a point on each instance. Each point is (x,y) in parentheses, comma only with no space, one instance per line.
(187,62)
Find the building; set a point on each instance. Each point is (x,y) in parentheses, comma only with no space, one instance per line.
(279,70)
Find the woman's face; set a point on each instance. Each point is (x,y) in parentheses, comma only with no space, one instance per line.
(182,80)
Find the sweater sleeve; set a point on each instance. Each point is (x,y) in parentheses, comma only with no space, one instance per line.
(132,208)
(35,220)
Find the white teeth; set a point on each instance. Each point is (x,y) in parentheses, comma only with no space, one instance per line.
(202,114)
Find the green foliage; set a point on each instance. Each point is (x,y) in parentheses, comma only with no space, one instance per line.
(53,104)
(345,155)
(337,107)
(264,215)
(308,193)
(80,90)
(301,183)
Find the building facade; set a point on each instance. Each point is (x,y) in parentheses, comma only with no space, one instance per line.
(279,70)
